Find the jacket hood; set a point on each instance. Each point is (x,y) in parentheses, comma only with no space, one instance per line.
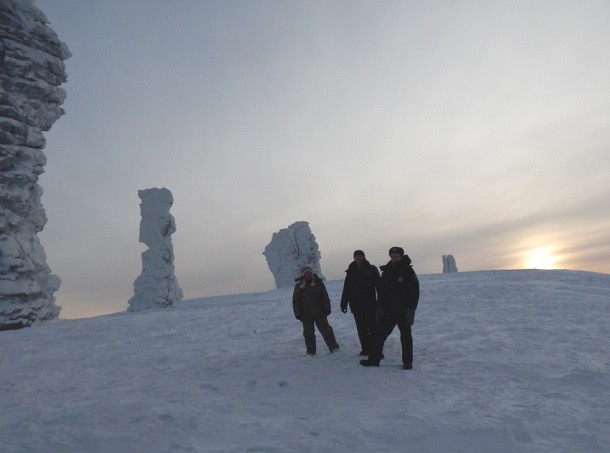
(406,261)
(353,265)
(302,282)
(301,278)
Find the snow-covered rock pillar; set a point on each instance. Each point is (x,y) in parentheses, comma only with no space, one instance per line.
(157,286)
(449,264)
(290,250)
(31,70)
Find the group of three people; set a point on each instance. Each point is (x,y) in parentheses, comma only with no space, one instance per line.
(378,302)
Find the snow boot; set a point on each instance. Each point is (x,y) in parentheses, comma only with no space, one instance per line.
(369,362)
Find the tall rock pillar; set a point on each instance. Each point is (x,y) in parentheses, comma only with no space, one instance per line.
(449,265)
(31,70)
(289,251)
(157,286)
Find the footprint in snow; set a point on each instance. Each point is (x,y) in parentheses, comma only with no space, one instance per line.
(166,418)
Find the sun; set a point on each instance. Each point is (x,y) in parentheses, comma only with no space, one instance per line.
(540,258)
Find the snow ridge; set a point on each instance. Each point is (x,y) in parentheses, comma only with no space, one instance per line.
(505,361)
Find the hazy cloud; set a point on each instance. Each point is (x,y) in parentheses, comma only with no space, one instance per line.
(479,129)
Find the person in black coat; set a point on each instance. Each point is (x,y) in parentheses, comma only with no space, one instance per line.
(360,293)
(399,296)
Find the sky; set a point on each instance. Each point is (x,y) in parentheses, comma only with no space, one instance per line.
(473,128)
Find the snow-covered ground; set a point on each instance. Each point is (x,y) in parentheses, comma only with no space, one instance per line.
(505,361)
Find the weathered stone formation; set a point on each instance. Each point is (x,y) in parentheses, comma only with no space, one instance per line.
(449,264)
(157,286)
(290,250)
(31,70)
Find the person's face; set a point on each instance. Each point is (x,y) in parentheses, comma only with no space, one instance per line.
(308,276)
(358,259)
(395,258)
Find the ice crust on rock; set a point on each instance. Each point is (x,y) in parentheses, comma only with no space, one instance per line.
(290,250)
(157,286)
(31,70)
(449,264)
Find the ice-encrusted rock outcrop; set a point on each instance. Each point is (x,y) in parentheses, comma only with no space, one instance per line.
(31,70)
(449,264)
(290,250)
(157,286)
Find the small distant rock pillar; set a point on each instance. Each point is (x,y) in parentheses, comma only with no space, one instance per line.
(449,265)
(157,286)
(290,250)
(31,70)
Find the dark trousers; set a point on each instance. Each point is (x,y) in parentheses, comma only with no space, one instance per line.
(325,330)
(366,325)
(387,322)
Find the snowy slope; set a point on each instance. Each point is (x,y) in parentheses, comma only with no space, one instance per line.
(505,361)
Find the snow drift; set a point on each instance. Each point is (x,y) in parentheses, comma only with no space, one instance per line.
(505,361)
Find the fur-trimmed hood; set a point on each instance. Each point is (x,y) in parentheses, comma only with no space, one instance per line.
(303,282)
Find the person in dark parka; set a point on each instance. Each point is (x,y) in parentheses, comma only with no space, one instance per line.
(360,293)
(399,296)
(311,305)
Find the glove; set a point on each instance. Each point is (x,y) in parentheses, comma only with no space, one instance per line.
(344,309)
(298,317)
(327,313)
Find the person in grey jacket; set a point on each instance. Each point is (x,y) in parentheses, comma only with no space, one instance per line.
(311,306)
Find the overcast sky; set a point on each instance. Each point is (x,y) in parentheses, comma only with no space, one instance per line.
(474,128)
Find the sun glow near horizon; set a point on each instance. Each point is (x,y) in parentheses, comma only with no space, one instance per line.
(541,258)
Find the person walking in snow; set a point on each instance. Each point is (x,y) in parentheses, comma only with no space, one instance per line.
(399,296)
(360,293)
(311,305)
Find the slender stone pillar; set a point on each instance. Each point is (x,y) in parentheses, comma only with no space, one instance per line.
(157,286)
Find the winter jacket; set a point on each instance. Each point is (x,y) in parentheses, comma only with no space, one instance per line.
(399,288)
(310,299)
(360,286)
